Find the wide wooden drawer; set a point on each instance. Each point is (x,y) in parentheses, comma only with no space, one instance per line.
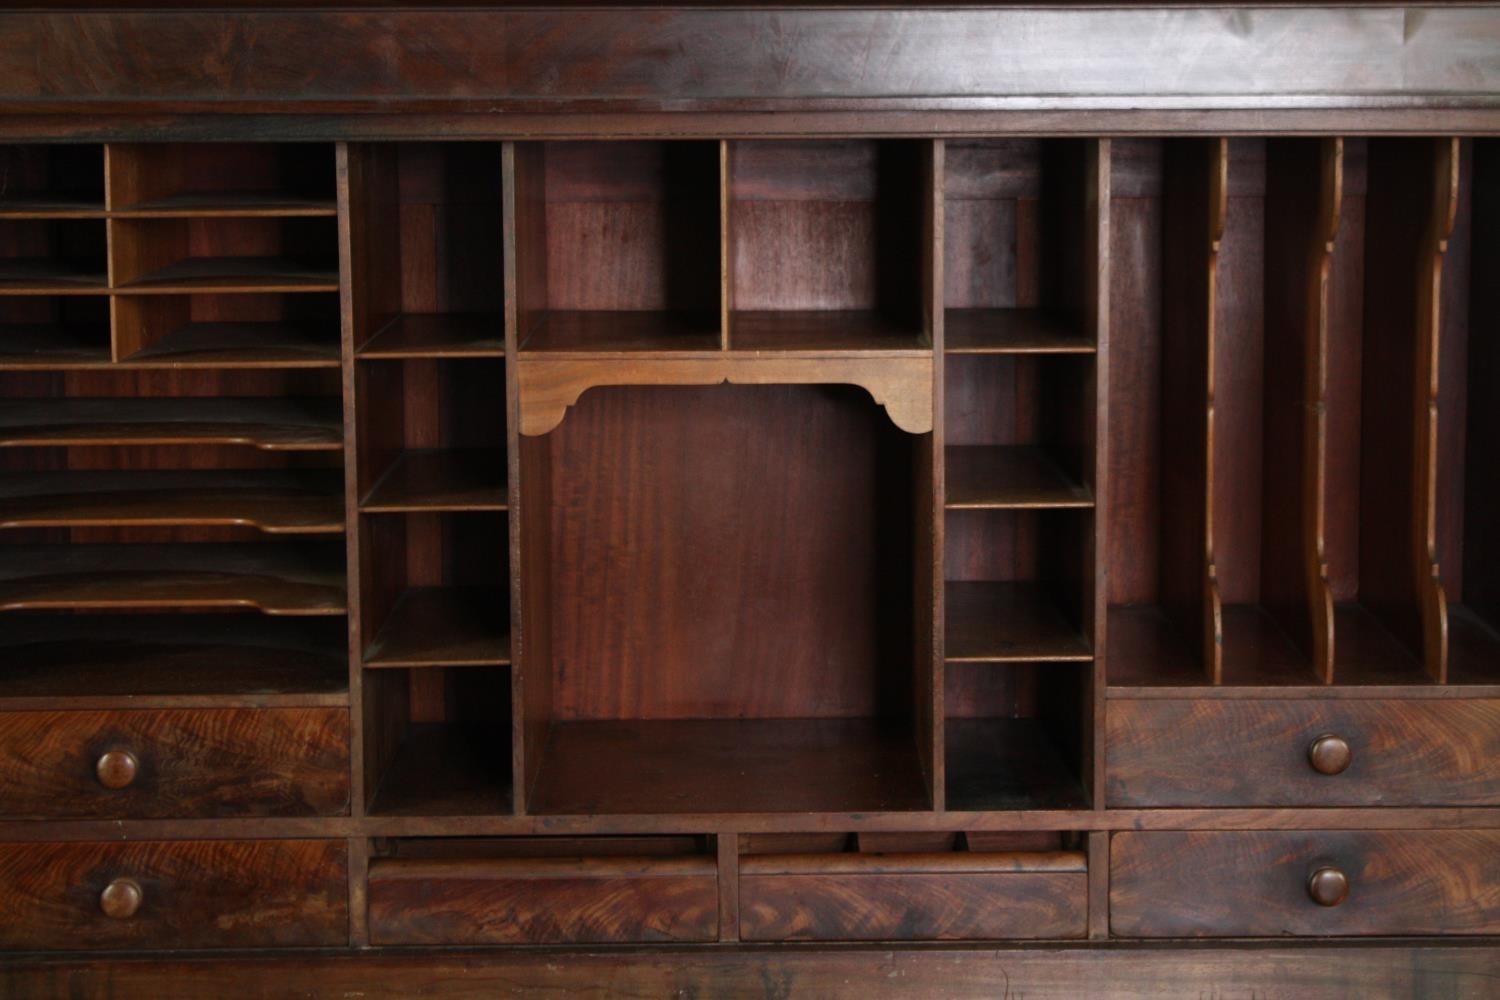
(543,900)
(1270,884)
(1323,752)
(173,894)
(915,897)
(174,763)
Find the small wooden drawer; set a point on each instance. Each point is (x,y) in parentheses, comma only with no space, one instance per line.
(543,900)
(1270,884)
(174,763)
(174,894)
(1322,752)
(913,897)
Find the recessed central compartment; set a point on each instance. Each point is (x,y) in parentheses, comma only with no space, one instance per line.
(729,607)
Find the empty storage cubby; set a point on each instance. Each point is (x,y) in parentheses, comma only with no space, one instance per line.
(52,181)
(1469,419)
(1018,238)
(219,254)
(267,330)
(437,741)
(62,256)
(912,887)
(1397,211)
(725,598)
(618,246)
(1019,507)
(50,330)
(828,244)
(425,222)
(1220,344)
(165,180)
(544,890)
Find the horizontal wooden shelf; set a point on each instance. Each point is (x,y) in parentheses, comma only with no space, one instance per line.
(275,502)
(275,578)
(52,207)
(1365,651)
(1007,764)
(58,346)
(444,626)
(843,331)
(448,770)
(228,275)
(438,335)
(462,479)
(1010,331)
(245,205)
(728,766)
(265,423)
(171,661)
(42,276)
(240,345)
(1015,477)
(620,331)
(1148,649)
(992,622)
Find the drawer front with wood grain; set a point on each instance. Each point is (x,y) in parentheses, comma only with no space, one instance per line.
(173,894)
(1320,882)
(543,900)
(177,763)
(919,897)
(1324,752)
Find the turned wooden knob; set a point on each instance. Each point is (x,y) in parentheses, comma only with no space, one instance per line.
(1328,887)
(1329,754)
(117,769)
(121,898)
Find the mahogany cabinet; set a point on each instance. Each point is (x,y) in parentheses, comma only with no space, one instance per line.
(749,501)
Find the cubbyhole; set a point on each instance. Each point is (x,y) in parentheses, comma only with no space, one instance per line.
(122,661)
(41,331)
(1376,493)
(166,180)
(618,246)
(52,256)
(227,331)
(224,255)
(51,181)
(727,607)
(1019,500)
(1469,421)
(427,220)
(1018,235)
(437,741)
(436,590)
(827,241)
(1018,735)
(432,435)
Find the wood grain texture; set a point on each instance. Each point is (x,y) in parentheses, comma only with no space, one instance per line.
(211,894)
(204,763)
(1306,970)
(1256,884)
(543,901)
(911,897)
(1255,753)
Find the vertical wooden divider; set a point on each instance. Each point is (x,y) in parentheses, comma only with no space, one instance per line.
(726,250)
(1096,596)
(529,470)
(1428,573)
(931,712)
(353,315)
(1196,195)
